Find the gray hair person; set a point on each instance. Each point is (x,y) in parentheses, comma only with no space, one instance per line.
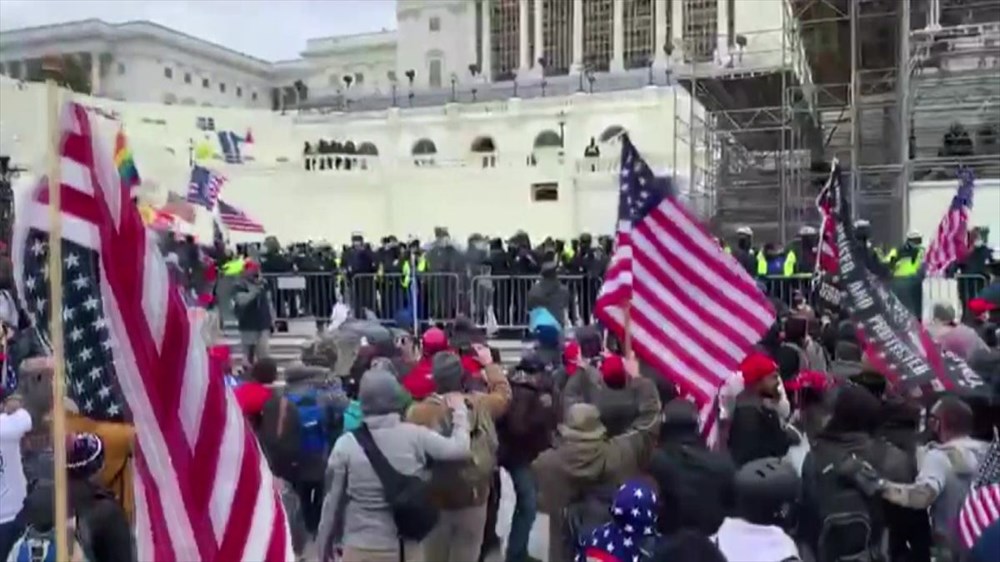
(355,512)
(952,335)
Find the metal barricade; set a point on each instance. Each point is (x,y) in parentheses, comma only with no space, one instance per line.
(303,295)
(388,296)
(784,288)
(502,301)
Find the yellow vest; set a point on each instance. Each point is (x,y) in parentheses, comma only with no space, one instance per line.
(790,260)
(233,267)
(421,268)
(906,267)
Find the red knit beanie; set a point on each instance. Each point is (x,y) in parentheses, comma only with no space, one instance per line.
(756,367)
(613,371)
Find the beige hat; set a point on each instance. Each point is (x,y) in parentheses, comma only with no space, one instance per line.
(583,421)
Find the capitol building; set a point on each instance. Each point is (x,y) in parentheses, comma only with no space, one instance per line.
(482,115)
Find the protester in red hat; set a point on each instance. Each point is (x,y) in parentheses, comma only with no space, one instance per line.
(419,382)
(757,430)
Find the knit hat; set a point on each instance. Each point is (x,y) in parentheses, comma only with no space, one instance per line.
(447,371)
(380,393)
(590,341)
(84,455)
(613,371)
(434,340)
(583,421)
(757,367)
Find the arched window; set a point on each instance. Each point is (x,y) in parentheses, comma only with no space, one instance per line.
(611,132)
(548,139)
(424,147)
(368,149)
(483,144)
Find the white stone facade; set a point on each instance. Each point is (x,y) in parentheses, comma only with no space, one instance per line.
(446,44)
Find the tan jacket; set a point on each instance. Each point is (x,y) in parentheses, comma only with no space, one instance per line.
(433,413)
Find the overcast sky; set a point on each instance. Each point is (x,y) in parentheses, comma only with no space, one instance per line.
(268,29)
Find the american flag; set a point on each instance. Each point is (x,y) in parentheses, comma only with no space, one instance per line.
(952,241)
(982,506)
(694,311)
(203,490)
(236,220)
(204,187)
(828,257)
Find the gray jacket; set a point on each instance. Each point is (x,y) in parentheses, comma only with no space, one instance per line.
(355,502)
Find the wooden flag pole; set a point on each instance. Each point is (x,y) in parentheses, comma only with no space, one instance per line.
(52,67)
(627,329)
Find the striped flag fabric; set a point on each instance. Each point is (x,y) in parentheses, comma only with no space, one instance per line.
(204,187)
(828,257)
(236,220)
(952,241)
(203,490)
(694,312)
(982,506)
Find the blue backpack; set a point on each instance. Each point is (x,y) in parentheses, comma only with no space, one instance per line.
(314,422)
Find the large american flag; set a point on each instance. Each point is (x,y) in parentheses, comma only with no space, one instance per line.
(236,220)
(204,187)
(952,241)
(982,505)
(203,489)
(694,311)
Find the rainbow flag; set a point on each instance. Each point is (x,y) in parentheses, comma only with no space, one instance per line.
(124,162)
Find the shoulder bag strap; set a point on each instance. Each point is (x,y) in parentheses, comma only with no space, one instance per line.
(387,475)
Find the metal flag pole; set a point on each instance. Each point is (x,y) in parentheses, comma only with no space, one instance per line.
(52,66)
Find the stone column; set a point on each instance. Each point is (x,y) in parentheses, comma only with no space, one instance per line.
(660,32)
(722,39)
(487,47)
(539,37)
(618,37)
(934,15)
(524,57)
(577,66)
(677,27)
(95,73)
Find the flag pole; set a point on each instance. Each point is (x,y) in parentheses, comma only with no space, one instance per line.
(627,329)
(52,67)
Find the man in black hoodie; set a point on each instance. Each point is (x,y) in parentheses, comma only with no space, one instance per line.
(549,293)
(695,483)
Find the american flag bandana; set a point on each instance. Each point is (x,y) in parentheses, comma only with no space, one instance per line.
(633,518)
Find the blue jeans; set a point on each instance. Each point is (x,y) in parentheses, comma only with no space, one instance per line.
(525,509)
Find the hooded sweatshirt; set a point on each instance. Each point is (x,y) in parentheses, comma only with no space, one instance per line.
(746,542)
(949,468)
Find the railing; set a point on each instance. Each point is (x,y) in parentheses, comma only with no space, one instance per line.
(495,301)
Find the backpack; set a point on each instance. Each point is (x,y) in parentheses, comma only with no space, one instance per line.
(279,433)
(475,474)
(39,546)
(408,495)
(315,423)
(582,516)
(849,522)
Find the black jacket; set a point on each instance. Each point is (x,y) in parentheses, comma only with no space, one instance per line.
(527,428)
(696,484)
(756,431)
(102,523)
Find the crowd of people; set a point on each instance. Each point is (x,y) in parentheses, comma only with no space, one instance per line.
(390,445)
(392,449)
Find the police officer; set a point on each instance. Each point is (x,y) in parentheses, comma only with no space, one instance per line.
(872,255)
(744,251)
(905,261)
(801,256)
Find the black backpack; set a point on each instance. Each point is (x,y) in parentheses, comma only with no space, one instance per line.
(408,496)
(850,523)
(279,431)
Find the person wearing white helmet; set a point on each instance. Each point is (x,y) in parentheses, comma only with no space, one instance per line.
(744,251)
(873,256)
(905,261)
(801,256)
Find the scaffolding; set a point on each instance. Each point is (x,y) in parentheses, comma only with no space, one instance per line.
(878,84)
